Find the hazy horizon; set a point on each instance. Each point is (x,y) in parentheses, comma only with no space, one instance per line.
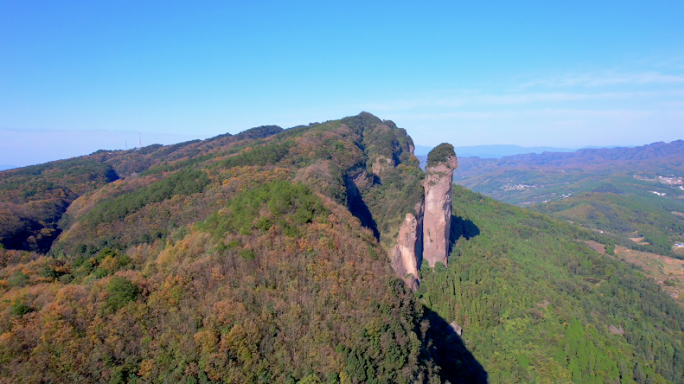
(533,74)
(82,143)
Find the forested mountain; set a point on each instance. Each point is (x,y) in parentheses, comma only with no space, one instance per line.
(499,151)
(623,192)
(537,304)
(270,257)
(34,199)
(657,154)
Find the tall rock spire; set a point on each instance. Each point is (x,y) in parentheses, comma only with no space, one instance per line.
(406,253)
(437,217)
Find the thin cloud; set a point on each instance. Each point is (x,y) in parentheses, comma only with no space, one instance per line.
(605,79)
(549,113)
(676,62)
(473,99)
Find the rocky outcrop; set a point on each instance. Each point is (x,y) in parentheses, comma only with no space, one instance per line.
(437,218)
(424,233)
(380,163)
(457,328)
(407,252)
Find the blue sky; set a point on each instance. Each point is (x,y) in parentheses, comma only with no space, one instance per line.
(76,76)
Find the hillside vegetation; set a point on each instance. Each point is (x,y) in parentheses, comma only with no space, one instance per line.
(262,257)
(609,190)
(625,209)
(241,264)
(280,287)
(33,200)
(537,304)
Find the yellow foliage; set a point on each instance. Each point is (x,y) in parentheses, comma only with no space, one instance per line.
(207,341)
(147,368)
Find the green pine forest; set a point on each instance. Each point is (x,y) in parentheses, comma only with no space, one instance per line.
(616,196)
(537,303)
(262,257)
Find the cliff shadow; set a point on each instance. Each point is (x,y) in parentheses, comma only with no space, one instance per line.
(458,365)
(461,227)
(358,207)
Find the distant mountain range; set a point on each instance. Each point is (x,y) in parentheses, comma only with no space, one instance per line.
(627,192)
(492,151)
(4,167)
(270,256)
(600,157)
(487,151)
(499,151)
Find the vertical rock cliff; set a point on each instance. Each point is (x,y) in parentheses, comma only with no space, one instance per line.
(437,218)
(409,211)
(407,252)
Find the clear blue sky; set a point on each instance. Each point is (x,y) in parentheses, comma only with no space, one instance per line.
(564,74)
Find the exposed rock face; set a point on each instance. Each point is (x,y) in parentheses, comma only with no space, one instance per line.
(437,219)
(457,328)
(380,163)
(424,234)
(406,253)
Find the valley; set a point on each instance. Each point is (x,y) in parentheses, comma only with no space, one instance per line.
(622,192)
(666,271)
(323,253)
(341,193)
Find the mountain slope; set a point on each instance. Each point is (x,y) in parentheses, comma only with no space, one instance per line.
(536,304)
(263,257)
(34,199)
(657,158)
(361,162)
(611,190)
(625,212)
(663,152)
(304,300)
(240,264)
(499,151)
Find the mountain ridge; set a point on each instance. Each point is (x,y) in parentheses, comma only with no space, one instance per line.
(624,192)
(267,257)
(583,157)
(492,151)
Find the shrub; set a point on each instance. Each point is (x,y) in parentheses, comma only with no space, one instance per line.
(121,292)
(289,206)
(20,309)
(440,154)
(19,279)
(262,155)
(185,182)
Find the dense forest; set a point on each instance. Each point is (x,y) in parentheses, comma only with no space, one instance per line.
(626,208)
(623,192)
(539,305)
(262,257)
